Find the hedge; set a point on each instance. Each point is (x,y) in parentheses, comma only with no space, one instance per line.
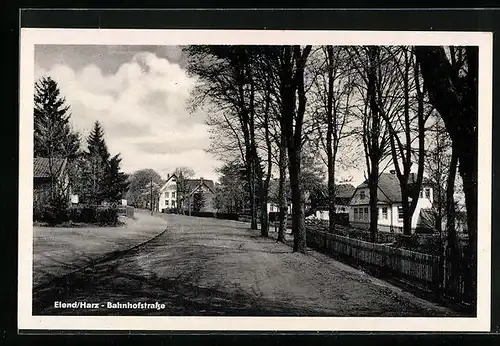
(91,214)
(227,216)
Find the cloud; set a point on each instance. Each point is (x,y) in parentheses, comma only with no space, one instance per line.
(141,106)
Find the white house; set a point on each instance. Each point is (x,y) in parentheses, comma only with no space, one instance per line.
(168,194)
(390,210)
(167,198)
(343,195)
(274,207)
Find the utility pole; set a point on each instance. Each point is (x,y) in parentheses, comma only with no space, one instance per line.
(151,193)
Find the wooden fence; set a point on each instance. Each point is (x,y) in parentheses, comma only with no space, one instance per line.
(459,291)
(418,268)
(424,271)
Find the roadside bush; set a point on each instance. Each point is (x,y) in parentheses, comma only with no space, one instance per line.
(169,210)
(52,211)
(107,216)
(202,214)
(227,216)
(91,214)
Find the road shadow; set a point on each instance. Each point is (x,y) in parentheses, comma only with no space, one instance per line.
(183,295)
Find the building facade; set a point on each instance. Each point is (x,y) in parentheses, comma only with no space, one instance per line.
(168,194)
(170,200)
(389,204)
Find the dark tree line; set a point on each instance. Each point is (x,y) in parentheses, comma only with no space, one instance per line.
(93,173)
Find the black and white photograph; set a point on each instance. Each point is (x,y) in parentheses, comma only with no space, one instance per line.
(342,179)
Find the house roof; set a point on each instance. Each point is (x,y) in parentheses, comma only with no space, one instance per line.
(389,188)
(166,182)
(194,184)
(42,166)
(344,190)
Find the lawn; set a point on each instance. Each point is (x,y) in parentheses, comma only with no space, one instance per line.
(60,250)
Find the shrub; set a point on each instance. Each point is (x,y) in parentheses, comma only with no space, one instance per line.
(107,215)
(54,211)
(227,216)
(169,210)
(202,214)
(101,215)
(130,211)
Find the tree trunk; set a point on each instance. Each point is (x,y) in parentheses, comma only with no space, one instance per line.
(331,195)
(251,187)
(264,216)
(298,221)
(457,105)
(407,216)
(470,190)
(375,150)
(451,235)
(283,203)
(329,143)
(373,186)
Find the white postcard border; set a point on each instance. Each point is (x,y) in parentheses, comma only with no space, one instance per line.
(31,37)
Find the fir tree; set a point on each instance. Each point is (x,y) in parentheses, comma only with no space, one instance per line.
(53,136)
(97,157)
(116,182)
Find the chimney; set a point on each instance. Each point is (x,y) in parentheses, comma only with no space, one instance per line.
(201,180)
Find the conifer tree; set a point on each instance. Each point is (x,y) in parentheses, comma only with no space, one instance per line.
(53,136)
(116,182)
(97,157)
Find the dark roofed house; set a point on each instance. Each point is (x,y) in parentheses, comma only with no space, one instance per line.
(343,195)
(168,194)
(46,171)
(389,201)
(205,186)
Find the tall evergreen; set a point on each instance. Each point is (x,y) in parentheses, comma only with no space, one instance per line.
(116,182)
(96,145)
(53,136)
(97,157)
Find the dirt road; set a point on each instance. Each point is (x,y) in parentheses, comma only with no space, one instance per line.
(203,266)
(58,251)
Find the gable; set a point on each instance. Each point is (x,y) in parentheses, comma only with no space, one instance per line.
(389,190)
(170,183)
(43,167)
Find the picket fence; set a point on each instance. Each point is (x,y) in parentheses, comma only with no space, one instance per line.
(419,268)
(422,271)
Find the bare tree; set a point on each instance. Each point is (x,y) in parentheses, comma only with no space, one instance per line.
(374,79)
(226,79)
(182,174)
(452,86)
(333,89)
(407,128)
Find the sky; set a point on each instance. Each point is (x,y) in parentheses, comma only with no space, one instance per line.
(139,95)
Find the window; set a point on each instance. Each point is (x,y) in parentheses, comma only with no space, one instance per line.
(384,213)
(362,194)
(355,213)
(173,204)
(427,193)
(173,194)
(166,194)
(166,202)
(400,213)
(366,213)
(421,193)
